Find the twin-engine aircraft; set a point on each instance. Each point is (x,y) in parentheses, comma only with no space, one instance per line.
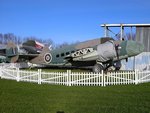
(97,54)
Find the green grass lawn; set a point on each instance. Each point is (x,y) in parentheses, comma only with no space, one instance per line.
(21,97)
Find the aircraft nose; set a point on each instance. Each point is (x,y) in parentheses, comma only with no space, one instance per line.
(134,48)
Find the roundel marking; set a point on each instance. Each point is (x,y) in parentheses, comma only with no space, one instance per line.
(47,57)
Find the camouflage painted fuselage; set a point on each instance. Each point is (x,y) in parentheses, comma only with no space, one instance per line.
(103,50)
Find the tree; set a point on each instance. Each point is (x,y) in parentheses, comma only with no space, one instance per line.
(1,38)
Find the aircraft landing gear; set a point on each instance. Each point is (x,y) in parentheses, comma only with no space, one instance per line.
(98,68)
(117,65)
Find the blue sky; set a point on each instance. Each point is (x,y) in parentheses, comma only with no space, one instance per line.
(68,20)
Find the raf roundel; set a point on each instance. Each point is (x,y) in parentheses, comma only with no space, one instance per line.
(47,57)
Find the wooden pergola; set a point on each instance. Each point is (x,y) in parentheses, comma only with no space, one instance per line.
(122,26)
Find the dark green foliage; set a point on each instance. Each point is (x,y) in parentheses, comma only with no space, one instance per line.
(20,97)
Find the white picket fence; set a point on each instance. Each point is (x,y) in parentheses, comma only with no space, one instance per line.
(76,78)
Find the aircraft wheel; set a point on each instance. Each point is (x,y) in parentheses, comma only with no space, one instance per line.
(118,65)
(98,68)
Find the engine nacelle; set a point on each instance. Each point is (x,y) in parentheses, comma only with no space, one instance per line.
(106,51)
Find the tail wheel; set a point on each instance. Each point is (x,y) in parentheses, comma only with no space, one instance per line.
(47,57)
(98,68)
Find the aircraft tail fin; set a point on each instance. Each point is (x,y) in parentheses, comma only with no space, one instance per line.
(11,52)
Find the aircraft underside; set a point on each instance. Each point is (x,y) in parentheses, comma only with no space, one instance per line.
(90,65)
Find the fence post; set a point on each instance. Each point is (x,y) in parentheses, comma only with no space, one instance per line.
(18,75)
(39,76)
(103,79)
(0,72)
(136,77)
(68,77)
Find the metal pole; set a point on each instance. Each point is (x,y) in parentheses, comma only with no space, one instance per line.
(131,33)
(126,25)
(122,31)
(134,64)
(106,31)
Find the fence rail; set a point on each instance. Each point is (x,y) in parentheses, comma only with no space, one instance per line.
(76,78)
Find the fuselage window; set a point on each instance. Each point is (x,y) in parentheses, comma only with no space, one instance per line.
(72,51)
(62,54)
(67,53)
(57,55)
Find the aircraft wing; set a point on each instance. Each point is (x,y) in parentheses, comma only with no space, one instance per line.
(25,57)
(86,54)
